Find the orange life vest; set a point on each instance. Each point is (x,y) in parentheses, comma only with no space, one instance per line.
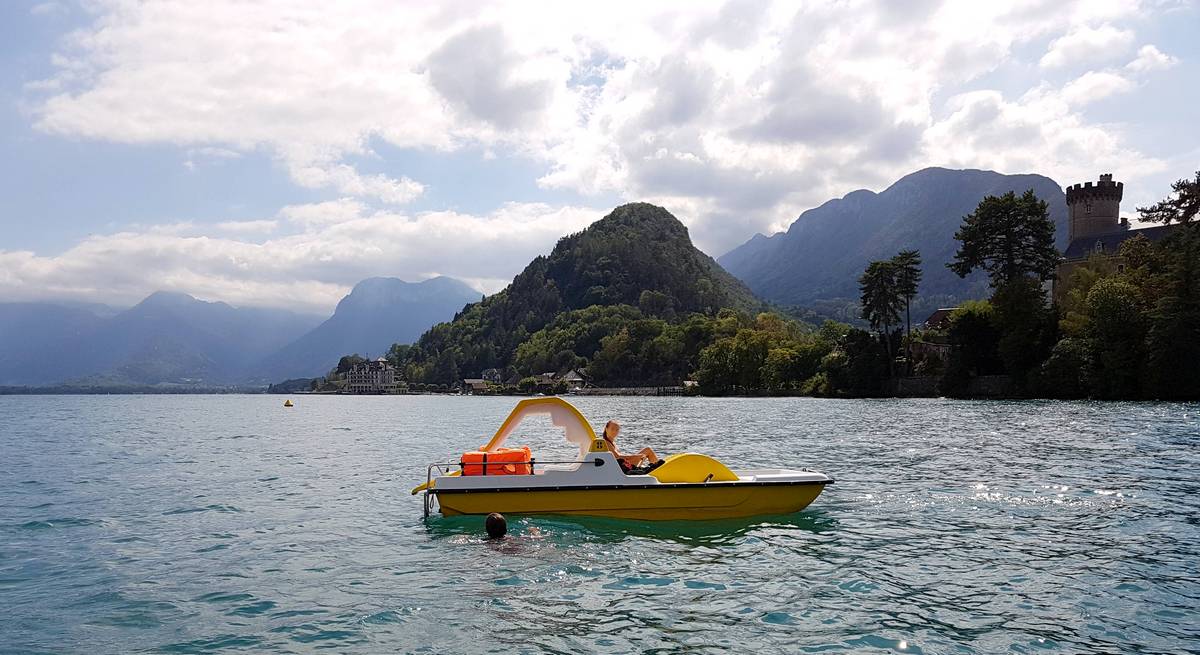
(501,461)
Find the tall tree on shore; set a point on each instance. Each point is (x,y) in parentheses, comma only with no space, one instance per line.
(1181,207)
(881,301)
(1009,237)
(908,279)
(1012,239)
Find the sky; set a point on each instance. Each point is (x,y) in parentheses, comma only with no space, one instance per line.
(274,153)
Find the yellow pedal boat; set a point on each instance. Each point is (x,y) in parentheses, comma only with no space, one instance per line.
(686,486)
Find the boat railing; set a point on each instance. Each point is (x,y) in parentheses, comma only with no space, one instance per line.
(447,468)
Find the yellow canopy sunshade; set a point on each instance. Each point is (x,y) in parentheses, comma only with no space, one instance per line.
(562,415)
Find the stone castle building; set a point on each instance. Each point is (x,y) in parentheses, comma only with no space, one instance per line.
(1095,226)
(1095,208)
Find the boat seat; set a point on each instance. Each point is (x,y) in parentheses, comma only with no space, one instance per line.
(638,470)
(693,467)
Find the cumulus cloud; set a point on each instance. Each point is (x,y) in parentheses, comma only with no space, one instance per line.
(328,212)
(982,121)
(344,179)
(1087,44)
(1149,59)
(737,116)
(1095,85)
(261,226)
(479,74)
(804,108)
(240,77)
(306,269)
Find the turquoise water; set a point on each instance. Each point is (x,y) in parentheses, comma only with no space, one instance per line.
(188,524)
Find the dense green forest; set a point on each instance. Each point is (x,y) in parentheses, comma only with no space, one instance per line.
(1127,327)
(1128,331)
(637,263)
(1131,331)
(631,302)
(730,352)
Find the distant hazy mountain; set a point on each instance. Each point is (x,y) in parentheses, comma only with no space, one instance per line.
(378,312)
(33,337)
(823,253)
(166,338)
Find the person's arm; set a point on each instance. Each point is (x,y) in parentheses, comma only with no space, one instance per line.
(633,460)
(630,460)
(617,454)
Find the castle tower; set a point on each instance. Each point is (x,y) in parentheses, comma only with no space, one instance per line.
(1094,208)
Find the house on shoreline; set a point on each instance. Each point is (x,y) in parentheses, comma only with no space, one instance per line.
(475,385)
(573,378)
(372,377)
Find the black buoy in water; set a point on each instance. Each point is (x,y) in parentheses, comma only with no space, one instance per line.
(497,525)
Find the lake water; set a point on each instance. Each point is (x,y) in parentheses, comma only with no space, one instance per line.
(187,524)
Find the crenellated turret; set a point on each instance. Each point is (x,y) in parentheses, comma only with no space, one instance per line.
(1094,208)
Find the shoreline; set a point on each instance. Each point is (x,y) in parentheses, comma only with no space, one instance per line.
(616,392)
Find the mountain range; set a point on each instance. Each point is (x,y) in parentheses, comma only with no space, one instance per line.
(639,255)
(173,338)
(166,338)
(822,254)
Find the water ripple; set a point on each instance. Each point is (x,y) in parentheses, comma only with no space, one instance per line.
(225,524)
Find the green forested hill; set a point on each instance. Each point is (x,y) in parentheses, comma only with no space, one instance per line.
(640,247)
(638,256)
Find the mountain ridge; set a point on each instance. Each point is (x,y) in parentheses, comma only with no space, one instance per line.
(167,337)
(378,312)
(173,338)
(824,250)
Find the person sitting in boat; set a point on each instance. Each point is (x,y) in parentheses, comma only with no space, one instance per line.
(629,463)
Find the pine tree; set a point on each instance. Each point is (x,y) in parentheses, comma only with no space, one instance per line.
(1181,208)
(1013,240)
(881,301)
(908,280)
(1009,237)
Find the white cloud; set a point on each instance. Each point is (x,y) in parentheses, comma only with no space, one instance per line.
(734,115)
(215,153)
(344,179)
(306,90)
(1086,45)
(480,74)
(1055,138)
(262,226)
(1149,59)
(1095,85)
(305,270)
(208,154)
(328,212)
